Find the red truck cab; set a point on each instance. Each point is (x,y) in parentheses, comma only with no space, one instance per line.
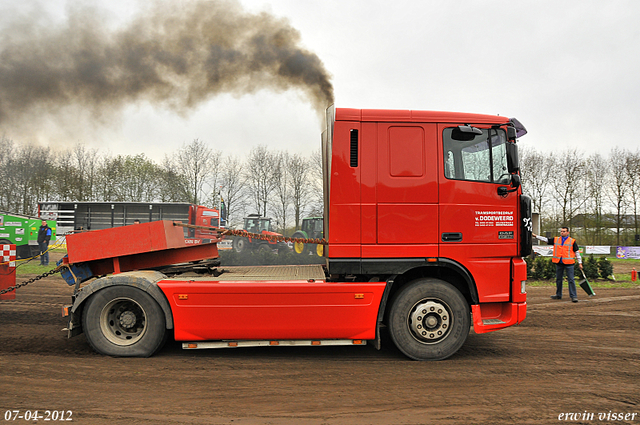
(429,195)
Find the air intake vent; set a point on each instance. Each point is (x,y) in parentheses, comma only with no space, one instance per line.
(354,148)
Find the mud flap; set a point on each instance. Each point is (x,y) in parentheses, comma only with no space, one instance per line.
(74,326)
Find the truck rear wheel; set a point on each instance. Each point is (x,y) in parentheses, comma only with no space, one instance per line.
(124,321)
(429,320)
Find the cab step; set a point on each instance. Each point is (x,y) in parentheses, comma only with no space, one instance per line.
(270,343)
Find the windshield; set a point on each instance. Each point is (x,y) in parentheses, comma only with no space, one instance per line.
(257,225)
(482,159)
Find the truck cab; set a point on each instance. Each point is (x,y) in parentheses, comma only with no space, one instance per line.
(432,196)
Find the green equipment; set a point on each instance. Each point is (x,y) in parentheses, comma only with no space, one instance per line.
(22,231)
(584,284)
(312,228)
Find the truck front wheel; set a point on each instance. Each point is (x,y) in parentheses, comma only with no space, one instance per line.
(429,320)
(124,321)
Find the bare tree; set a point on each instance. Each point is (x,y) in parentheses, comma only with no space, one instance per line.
(174,185)
(232,185)
(141,179)
(66,179)
(568,184)
(618,188)
(32,169)
(8,175)
(535,169)
(281,178)
(298,185)
(76,174)
(632,169)
(110,175)
(597,175)
(315,177)
(195,163)
(86,163)
(259,177)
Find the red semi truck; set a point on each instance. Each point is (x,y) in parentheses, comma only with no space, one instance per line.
(426,227)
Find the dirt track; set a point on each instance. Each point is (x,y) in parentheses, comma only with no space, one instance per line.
(564,358)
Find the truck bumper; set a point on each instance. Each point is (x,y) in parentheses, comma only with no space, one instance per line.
(493,316)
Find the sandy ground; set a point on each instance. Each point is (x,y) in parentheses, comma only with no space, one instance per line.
(565,358)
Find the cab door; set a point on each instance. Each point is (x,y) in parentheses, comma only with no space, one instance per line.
(407,191)
(478,226)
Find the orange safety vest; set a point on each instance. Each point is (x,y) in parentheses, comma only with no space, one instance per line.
(564,251)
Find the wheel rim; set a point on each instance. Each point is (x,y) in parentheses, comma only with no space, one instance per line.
(430,321)
(240,245)
(320,250)
(298,247)
(123,321)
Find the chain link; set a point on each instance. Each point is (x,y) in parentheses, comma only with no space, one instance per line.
(33,279)
(272,238)
(260,236)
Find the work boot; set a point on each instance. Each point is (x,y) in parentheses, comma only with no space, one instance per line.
(574,300)
(555,297)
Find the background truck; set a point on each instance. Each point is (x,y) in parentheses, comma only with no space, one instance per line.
(76,216)
(22,231)
(312,228)
(255,223)
(426,227)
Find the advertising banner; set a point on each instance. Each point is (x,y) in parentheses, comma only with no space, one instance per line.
(628,252)
(547,250)
(544,250)
(598,250)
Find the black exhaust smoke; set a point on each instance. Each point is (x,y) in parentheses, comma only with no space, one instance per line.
(176,54)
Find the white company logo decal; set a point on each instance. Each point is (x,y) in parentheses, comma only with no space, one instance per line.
(497,218)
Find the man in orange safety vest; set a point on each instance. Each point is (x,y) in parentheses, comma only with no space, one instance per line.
(565,254)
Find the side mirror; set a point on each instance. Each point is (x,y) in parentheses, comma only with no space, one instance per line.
(512,134)
(515,184)
(513,164)
(515,181)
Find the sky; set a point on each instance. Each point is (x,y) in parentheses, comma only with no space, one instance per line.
(566,69)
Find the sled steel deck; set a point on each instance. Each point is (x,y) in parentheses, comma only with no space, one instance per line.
(259,273)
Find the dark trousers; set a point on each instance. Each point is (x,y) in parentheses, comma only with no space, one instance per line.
(560,270)
(44,255)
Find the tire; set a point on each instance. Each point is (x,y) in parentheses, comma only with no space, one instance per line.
(240,244)
(124,321)
(300,248)
(282,247)
(264,247)
(429,320)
